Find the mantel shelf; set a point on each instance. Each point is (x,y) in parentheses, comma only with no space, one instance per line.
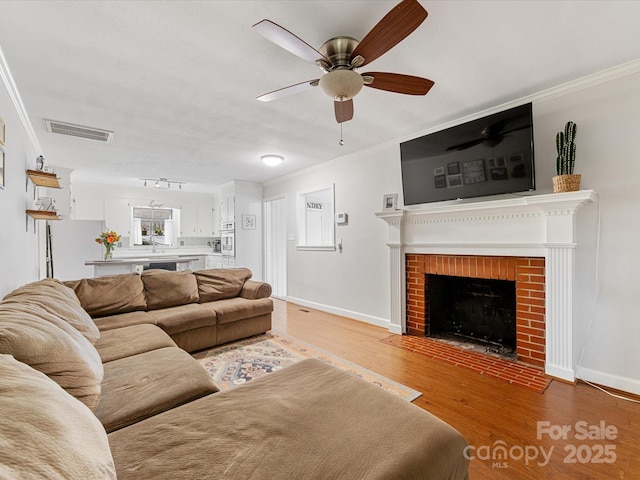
(43,215)
(44,179)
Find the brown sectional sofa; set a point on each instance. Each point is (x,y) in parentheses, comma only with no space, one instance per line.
(115,396)
(198,309)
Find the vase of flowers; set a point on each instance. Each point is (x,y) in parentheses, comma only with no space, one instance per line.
(109,240)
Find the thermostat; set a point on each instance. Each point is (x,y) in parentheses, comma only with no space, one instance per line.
(342,218)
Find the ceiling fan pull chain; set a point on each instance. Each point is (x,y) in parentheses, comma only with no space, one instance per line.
(341,142)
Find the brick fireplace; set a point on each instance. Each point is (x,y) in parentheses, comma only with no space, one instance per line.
(528,273)
(532,239)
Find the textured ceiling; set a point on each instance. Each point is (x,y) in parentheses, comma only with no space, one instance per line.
(177,81)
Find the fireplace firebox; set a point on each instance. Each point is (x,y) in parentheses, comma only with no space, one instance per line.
(472,310)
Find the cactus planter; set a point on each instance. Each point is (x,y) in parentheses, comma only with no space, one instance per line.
(566,180)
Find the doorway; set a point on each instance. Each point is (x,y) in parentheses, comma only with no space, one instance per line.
(275,245)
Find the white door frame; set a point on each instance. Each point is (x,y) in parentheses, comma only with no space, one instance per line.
(275,246)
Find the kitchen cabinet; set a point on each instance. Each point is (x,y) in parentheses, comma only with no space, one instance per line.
(197,221)
(227,209)
(213,261)
(205,221)
(189,220)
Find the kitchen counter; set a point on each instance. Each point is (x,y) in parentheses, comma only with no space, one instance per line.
(117,266)
(144,260)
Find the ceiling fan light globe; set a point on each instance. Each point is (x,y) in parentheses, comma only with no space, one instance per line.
(341,85)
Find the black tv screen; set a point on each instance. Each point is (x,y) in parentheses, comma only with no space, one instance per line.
(488,156)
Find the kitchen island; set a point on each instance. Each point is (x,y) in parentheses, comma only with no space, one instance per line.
(117,266)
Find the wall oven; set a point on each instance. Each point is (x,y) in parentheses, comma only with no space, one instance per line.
(227,239)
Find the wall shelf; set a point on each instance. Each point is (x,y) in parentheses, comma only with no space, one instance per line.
(43,215)
(47,180)
(44,179)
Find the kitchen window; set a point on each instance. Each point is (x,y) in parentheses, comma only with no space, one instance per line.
(153,226)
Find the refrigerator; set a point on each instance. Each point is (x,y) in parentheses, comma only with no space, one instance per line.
(73,242)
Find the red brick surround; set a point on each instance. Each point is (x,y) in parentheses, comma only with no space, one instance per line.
(527,272)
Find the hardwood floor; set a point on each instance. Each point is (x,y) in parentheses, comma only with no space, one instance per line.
(602,433)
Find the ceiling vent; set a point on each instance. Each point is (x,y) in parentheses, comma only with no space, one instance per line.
(81,131)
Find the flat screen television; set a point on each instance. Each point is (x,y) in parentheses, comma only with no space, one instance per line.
(487,156)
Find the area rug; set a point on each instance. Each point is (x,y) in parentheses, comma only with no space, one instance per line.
(239,362)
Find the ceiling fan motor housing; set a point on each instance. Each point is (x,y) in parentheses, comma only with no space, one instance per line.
(338,50)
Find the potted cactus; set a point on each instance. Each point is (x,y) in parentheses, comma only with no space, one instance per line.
(565,180)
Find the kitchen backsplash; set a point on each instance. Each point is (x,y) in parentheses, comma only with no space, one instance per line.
(182,241)
(196,241)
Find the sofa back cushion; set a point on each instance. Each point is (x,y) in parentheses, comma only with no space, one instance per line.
(59,300)
(45,432)
(53,347)
(110,295)
(220,283)
(164,288)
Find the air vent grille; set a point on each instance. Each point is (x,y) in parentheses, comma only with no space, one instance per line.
(81,131)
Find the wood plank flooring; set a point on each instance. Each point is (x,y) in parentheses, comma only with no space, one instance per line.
(493,416)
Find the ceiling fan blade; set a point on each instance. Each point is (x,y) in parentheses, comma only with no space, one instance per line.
(287,40)
(399,83)
(286,91)
(344,110)
(396,25)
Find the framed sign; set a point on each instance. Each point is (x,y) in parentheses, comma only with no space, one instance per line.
(2,131)
(248,222)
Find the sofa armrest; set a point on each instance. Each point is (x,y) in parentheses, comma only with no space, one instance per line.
(253,290)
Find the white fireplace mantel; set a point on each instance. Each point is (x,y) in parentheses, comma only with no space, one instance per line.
(534,225)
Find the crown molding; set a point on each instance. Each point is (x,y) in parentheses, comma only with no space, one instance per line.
(14,95)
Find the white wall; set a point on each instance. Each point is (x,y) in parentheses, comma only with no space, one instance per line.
(356,282)
(18,248)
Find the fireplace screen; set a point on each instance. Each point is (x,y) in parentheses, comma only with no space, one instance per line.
(472,309)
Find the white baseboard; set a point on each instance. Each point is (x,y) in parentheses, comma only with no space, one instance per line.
(379,322)
(562,373)
(606,379)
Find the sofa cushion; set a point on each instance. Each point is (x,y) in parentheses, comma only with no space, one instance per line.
(109,295)
(220,283)
(309,420)
(149,383)
(252,290)
(48,285)
(132,340)
(58,304)
(45,432)
(52,346)
(123,320)
(185,317)
(234,309)
(167,289)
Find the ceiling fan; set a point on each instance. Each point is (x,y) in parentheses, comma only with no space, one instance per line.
(339,58)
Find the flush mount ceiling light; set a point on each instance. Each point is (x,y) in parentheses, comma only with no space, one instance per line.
(162,182)
(272,160)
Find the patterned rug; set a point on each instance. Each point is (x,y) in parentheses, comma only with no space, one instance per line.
(238,362)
